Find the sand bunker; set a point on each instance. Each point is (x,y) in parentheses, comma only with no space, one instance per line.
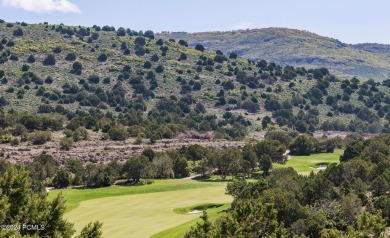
(195,212)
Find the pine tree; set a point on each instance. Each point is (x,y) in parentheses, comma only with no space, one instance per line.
(92,230)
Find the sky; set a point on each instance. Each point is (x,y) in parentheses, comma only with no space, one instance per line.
(351,21)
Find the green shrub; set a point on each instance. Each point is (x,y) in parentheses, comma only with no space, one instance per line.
(199,47)
(66,143)
(106,81)
(183,56)
(118,134)
(183,43)
(49,60)
(77,68)
(140,41)
(95,36)
(57,50)
(19,130)
(94,79)
(102,57)
(121,31)
(159,69)
(18,32)
(80,134)
(147,65)
(5,138)
(31,59)
(39,137)
(140,51)
(149,34)
(3,101)
(25,68)
(14,58)
(233,55)
(15,141)
(49,80)
(70,57)
(62,179)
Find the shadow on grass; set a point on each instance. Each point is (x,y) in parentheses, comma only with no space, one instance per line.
(206,179)
(118,183)
(133,184)
(218,179)
(85,187)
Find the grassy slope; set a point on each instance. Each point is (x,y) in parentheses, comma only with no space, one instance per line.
(305,164)
(75,196)
(142,215)
(295,47)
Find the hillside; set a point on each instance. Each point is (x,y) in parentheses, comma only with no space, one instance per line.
(120,83)
(297,48)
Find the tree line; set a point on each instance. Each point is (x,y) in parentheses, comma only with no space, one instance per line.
(251,160)
(346,200)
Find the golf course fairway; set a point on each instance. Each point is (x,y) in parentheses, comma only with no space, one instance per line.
(304,164)
(143,215)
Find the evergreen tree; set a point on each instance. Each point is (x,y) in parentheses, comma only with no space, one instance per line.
(49,60)
(19,205)
(92,230)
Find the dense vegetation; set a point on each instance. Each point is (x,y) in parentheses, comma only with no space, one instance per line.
(25,213)
(297,48)
(350,198)
(346,200)
(246,162)
(127,83)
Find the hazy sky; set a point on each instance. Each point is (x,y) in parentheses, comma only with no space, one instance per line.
(351,21)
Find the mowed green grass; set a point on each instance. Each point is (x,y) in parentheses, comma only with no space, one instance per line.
(305,164)
(75,196)
(143,215)
(181,230)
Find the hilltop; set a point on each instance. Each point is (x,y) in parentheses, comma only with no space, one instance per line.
(297,48)
(119,83)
